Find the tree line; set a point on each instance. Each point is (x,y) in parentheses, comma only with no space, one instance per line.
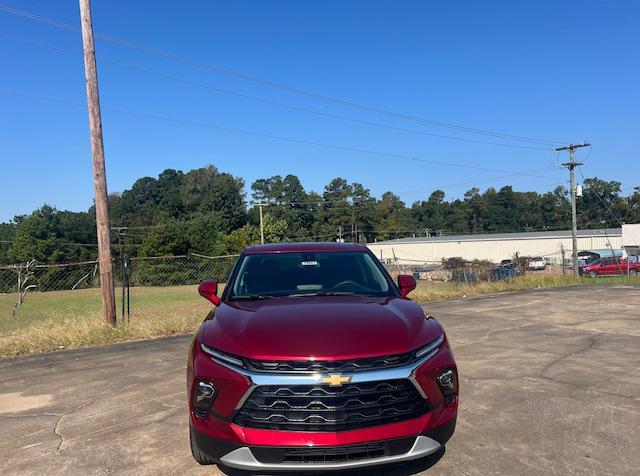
(206,211)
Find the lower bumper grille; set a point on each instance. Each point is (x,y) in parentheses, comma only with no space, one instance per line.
(337,454)
(325,408)
(353,453)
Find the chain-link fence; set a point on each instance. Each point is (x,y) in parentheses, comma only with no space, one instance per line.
(140,277)
(47,282)
(53,277)
(460,271)
(179,270)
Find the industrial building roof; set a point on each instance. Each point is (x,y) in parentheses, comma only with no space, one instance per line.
(528,235)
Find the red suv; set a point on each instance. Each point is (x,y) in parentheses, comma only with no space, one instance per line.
(610,266)
(314,359)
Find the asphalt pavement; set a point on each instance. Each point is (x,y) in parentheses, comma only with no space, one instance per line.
(550,384)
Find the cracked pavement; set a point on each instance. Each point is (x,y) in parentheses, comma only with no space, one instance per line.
(550,384)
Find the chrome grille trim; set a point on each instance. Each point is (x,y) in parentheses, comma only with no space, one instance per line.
(264,378)
(329,366)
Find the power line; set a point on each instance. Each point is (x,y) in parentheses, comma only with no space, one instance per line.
(274,137)
(282,86)
(88,245)
(271,102)
(615,217)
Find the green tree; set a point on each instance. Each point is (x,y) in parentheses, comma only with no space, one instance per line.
(599,202)
(394,219)
(432,213)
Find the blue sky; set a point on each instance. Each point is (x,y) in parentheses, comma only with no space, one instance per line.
(564,71)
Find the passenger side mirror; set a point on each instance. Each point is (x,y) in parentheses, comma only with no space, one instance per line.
(406,283)
(208,289)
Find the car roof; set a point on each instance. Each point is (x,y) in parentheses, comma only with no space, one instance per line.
(303,247)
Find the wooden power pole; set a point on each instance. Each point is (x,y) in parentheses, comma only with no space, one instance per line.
(99,175)
(572,164)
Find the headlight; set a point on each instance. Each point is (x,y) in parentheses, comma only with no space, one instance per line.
(448,385)
(204,394)
(222,356)
(430,349)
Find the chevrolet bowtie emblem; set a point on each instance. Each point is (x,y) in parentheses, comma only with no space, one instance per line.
(336,380)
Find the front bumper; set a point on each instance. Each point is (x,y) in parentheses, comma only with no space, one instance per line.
(279,458)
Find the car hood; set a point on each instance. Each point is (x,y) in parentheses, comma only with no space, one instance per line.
(322,327)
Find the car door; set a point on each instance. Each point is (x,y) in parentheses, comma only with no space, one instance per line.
(617,266)
(605,267)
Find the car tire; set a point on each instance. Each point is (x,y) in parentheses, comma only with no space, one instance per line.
(198,455)
(633,272)
(592,274)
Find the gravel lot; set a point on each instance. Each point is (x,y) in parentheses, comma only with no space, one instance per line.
(550,385)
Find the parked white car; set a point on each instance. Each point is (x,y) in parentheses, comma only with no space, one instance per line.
(537,263)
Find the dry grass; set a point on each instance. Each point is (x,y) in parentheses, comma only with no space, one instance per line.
(68,319)
(431,291)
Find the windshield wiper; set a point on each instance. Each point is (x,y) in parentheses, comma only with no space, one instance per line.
(324,293)
(250,297)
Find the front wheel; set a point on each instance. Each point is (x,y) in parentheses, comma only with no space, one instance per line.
(198,455)
(592,274)
(633,272)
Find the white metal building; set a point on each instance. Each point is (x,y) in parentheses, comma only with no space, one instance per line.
(631,239)
(495,247)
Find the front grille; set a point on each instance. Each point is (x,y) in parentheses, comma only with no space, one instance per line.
(328,366)
(325,408)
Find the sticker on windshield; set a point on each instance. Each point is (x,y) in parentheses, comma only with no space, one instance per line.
(310,263)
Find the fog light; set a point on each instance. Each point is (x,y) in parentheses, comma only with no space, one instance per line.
(449,385)
(203,396)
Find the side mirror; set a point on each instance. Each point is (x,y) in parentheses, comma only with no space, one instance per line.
(406,283)
(208,289)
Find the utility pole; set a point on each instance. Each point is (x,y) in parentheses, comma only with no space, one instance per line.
(260,205)
(571,165)
(99,175)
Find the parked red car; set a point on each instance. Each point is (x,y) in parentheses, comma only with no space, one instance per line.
(314,359)
(610,266)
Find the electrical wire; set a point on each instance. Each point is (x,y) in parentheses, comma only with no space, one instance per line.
(273,137)
(270,102)
(615,217)
(282,86)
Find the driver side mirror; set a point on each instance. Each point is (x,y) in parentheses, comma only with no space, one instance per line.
(406,283)
(208,289)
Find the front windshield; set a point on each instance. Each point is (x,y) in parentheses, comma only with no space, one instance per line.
(316,273)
